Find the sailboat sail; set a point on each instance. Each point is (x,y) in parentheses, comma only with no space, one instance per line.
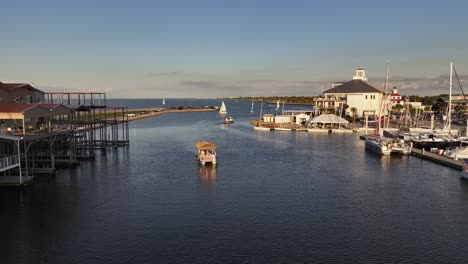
(277,104)
(222,109)
(251,110)
(164,101)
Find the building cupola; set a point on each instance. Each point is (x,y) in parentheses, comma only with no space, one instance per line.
(360,74)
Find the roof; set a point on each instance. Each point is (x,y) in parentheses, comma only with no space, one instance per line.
(329,119)
(12,86)
(205,145)
(15,108)
(2,85)
(356,86)
(49,106)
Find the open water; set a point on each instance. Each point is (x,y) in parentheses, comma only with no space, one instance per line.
(274,197)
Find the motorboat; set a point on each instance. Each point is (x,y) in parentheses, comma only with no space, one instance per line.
(228,120)
(460,152)
(465,169)
(379,145)
(399,146)
(206,152)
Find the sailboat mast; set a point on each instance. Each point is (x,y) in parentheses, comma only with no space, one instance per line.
(449,115)
(261,109)
(382,103)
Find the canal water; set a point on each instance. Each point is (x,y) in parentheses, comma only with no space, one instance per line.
(274,197)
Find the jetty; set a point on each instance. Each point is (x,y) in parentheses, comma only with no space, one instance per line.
(142,113)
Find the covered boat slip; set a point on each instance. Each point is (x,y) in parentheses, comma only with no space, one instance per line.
(11,171)
(328,123)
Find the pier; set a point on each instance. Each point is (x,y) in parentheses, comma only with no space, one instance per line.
(427,155)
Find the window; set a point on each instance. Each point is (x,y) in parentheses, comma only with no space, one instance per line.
(366,96)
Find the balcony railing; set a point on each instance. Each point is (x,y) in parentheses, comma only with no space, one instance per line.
(8,162)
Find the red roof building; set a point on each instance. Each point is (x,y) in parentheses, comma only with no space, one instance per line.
(395,97)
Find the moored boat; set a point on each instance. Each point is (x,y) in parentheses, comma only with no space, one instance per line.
(399,146)
(206,152)
(460,152)
(465,169)
(379,145)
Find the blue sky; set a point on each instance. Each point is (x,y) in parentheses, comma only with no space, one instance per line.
(154,49)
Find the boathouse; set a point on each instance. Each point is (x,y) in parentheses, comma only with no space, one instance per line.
(20,93)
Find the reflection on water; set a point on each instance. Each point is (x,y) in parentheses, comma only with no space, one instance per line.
(207,175)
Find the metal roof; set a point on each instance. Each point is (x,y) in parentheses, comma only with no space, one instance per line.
(329,119)
(16,108)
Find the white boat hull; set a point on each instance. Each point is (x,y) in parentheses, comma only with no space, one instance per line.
(377,147)
(262,128)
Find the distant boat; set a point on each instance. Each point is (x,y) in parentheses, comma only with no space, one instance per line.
(228,120)
(164,101)
(277,105)
(251,110)
(222,109)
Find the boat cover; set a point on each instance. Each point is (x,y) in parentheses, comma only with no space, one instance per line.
(206,145)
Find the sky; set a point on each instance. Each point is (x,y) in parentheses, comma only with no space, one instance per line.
(209,49)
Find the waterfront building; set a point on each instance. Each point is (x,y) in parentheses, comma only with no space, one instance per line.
(358,93)
(395,97)
(20,93)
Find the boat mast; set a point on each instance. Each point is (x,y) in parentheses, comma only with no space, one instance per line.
(382,105)
(449,115)
(261,109)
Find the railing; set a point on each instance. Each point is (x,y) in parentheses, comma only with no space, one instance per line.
(8,161)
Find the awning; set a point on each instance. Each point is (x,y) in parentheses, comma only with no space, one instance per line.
(328,119)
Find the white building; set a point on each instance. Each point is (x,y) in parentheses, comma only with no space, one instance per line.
(358,93)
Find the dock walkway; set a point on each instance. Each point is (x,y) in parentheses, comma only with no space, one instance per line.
(456,164)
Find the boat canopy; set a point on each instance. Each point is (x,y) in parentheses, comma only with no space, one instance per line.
(328,119)
(206,145)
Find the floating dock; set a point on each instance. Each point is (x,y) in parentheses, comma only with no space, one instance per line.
(456,164)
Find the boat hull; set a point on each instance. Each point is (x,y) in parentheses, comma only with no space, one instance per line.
(376,147)
(262,128)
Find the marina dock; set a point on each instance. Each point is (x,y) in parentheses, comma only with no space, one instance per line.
(427,155)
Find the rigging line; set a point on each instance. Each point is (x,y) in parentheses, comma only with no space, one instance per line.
(459,83)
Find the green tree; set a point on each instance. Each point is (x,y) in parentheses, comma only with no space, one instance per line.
(353,113)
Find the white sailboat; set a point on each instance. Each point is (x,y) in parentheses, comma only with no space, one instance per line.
(164,101)
(277,104)
(222,109)
(251,110)
(380,145)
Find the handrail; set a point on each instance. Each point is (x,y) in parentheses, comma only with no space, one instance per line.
(9,161)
